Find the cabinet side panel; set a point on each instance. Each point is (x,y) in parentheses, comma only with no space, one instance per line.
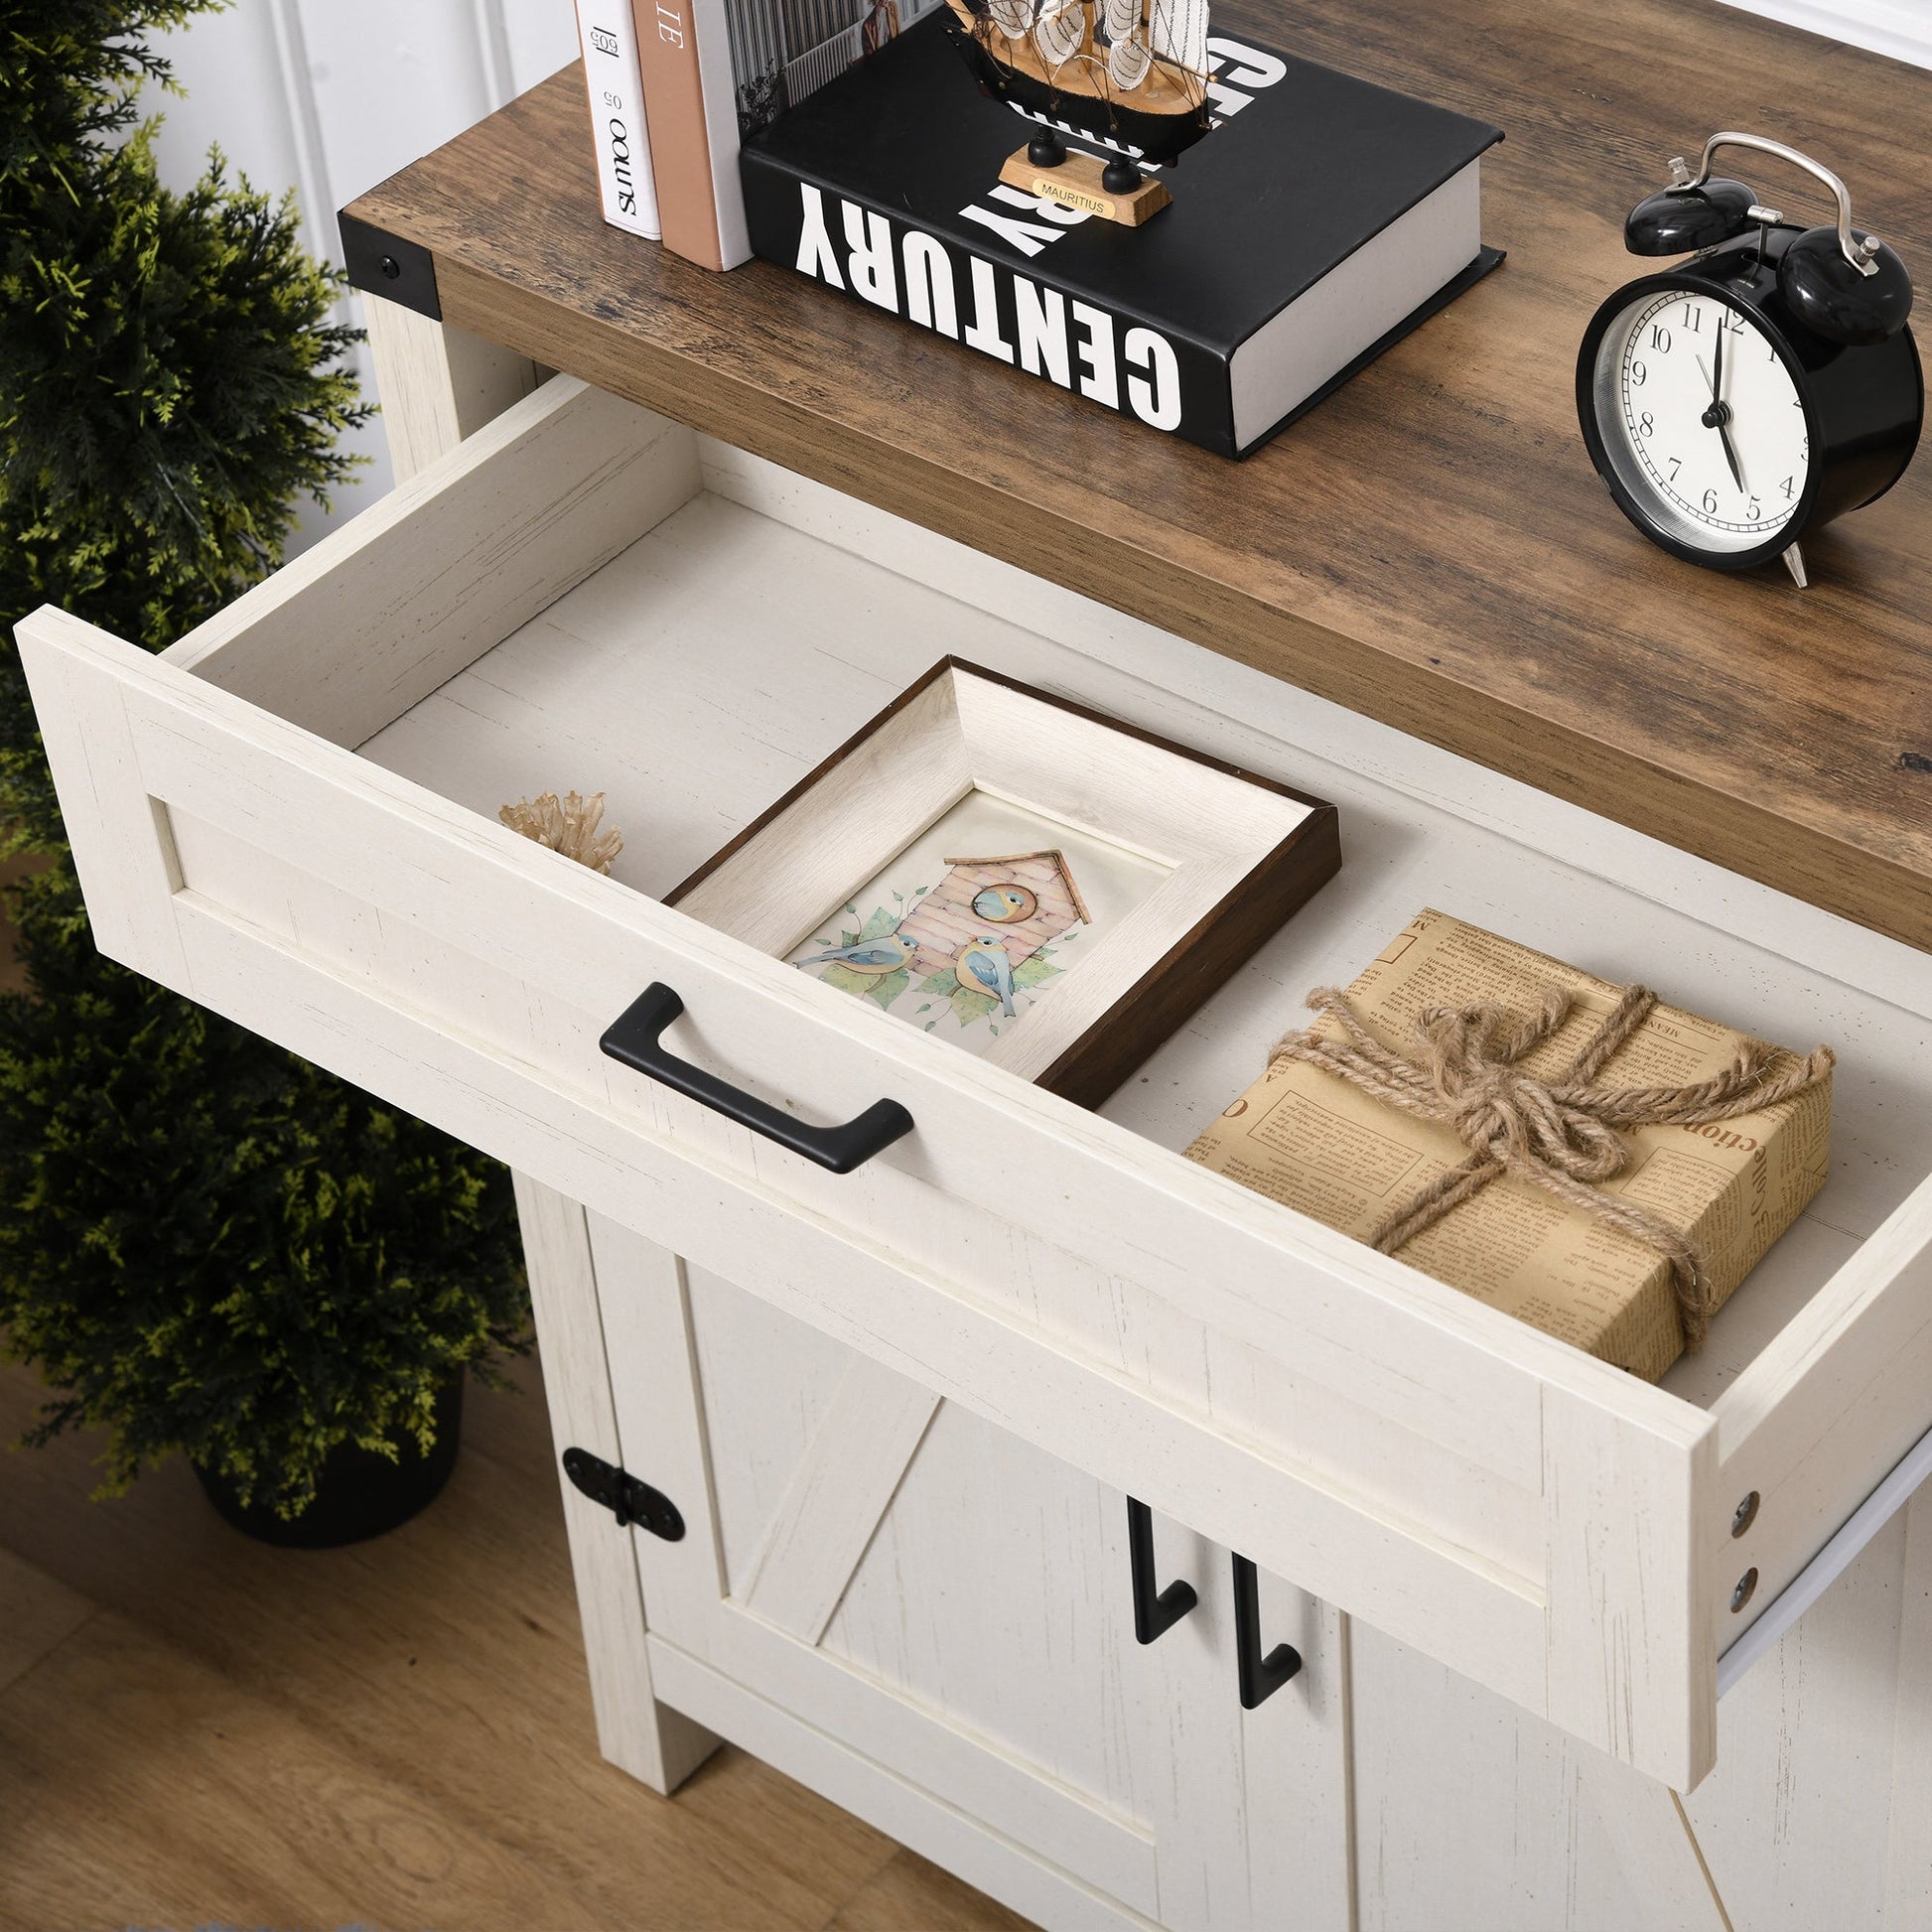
(1472,1816)
(1793,1821)
(634,1731)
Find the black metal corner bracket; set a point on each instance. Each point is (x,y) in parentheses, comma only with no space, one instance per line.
(384,264)
(623,1495)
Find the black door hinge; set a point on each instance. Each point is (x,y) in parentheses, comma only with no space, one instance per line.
(627,1499)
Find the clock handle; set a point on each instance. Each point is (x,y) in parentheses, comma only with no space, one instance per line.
(1862,255)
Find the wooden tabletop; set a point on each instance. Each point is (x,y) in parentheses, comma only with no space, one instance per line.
(1431,545)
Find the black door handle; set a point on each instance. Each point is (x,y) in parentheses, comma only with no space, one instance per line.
(1153,1614)
(1261,1676)
(636,1039)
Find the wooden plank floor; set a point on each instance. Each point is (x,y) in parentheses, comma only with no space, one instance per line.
(198,1730)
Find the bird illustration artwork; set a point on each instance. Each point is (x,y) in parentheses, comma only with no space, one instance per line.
(985,963)
(873,957)
(1004,905)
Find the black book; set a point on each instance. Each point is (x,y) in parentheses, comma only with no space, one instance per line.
(1321,220)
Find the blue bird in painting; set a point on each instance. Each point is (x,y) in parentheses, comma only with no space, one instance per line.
(875,957)
(985,964)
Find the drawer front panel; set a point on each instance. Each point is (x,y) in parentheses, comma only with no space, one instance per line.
(467,974)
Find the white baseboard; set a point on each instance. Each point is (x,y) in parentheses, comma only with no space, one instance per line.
(1900,28)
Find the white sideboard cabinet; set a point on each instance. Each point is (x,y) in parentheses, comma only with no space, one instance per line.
(865,1456)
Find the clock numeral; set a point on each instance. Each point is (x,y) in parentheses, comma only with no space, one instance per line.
(1646,424)
(1788,488)
(1693,319)
(1753,510)
(1735,322)
(1676,464)
(1660,337)
(1709,502)
(1639,375)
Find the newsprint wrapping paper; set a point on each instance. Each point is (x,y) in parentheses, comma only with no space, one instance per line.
(1311,1139)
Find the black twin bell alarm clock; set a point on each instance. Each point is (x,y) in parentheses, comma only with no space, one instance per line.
(1760,389)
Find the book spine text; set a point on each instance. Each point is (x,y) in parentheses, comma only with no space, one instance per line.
(683,99)
(608,37)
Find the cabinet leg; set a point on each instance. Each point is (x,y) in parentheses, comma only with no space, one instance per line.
(438,384)
(649,1739)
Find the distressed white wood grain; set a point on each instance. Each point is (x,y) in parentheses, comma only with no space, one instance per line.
(1469,1816)
(1627,1639)
(1472,1816)
(1284,1856)
(1431,1592)
(645,1738)
(1831,1405)
(841,1488)
(375,618)
(1908,1838)
(375,896)
(1655,1848)
(438,384)
(1007,1872)
(123,846)
(1794,1822)
(920,1730)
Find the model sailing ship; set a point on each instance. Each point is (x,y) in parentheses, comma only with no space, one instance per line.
(1131,74)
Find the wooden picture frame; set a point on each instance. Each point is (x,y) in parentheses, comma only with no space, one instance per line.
(1200,863)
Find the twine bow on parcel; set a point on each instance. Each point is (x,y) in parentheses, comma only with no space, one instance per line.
(1559,1133)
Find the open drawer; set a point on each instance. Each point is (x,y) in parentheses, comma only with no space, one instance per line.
(291,817)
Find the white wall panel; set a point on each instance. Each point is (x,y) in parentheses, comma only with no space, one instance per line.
(328,97)
(390,82)
(541,37)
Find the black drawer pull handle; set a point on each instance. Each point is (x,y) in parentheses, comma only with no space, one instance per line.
(1261,1676)
(1153,1614)
(636,1039)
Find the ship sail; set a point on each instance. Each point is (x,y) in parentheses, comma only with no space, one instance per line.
(1122,17)
(1013,18)
(1178,30)
(1127,64)
(1061,30)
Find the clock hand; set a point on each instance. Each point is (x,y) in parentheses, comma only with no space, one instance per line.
(1718,416)
(1723,408)
(1730,454)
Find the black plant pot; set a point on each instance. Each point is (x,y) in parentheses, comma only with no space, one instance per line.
(360,1495)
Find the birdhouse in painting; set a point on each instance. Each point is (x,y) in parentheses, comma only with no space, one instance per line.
(1024,901)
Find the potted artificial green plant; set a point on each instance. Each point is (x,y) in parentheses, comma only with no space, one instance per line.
(206,1244)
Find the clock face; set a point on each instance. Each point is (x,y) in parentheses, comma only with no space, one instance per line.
(1701,421)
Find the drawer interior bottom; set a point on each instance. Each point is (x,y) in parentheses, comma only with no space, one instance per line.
(723,654)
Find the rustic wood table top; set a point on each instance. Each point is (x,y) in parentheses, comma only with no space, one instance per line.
(1431,545)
